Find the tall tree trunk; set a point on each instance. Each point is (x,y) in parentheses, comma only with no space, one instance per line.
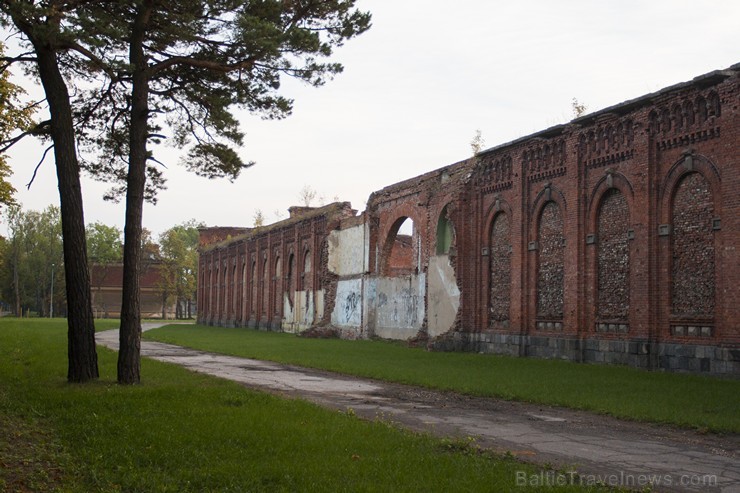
(83,358)
(129,354)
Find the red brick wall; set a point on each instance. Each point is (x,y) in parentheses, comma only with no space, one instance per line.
(402,256)
(616,219)
(499,284)
(613,259)
(603,153)
(550,247)
(693,265)
(242,277)
(620,226)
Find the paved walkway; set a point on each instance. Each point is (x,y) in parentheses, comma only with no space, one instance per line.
(600,448)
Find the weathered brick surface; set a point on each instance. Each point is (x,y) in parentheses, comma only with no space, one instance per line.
(693,249)
(401,258)
(613,258)
(243,278)
(611,238)
(500,283)
(551,269)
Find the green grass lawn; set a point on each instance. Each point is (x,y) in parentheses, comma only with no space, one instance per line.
(106,324)
(695,401)
(181,431)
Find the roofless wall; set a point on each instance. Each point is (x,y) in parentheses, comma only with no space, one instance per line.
(612,238)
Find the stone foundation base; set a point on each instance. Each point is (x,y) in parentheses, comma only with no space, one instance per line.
(635,353)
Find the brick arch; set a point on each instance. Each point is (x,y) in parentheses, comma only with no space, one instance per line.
(608,254)
(307,259)
(687,164)
(403,211)
(612,279)
(211,284)
(498,271)
(389,228)
(692,246)
(688,248)
(391,244)
(234,287)
(715,107)
(306,269)
(498,206)
(539,203)
(264,282)
(694,282)
(548,267)
(488,273)
(226,285)
(550,280)
(253,287)
(444,216)
(277,290)
(244,292)
(606,183)
(217,294)
(290,277)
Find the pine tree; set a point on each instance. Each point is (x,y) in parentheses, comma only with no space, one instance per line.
(190,64)
(44,27)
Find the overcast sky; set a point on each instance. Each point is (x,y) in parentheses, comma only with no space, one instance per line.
(418,85)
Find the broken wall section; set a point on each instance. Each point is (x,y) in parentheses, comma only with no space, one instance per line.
(444,296)
(348,258)
(395,306)
(422,302)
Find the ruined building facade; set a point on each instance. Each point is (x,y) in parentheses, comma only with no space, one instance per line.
(612,238)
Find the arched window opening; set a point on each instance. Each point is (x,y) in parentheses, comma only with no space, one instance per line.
(225,291)
(276,290)
(233,291)
(289,282)
(306,274)
(244,292)
(253,288)
(207,294)
(401,249)
(445,233)
(265,287)
(217,297)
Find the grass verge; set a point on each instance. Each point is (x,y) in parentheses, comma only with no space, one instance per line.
(182,431)
(693,401)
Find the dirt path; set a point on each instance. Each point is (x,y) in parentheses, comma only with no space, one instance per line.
(600,448)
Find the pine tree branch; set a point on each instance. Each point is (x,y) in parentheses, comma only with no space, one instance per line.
(97,61)
(43,157)
(200,63)
(40,128)
(10,60)
(152,158)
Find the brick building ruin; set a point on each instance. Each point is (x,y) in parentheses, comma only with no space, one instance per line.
(612,238)
(106,289)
